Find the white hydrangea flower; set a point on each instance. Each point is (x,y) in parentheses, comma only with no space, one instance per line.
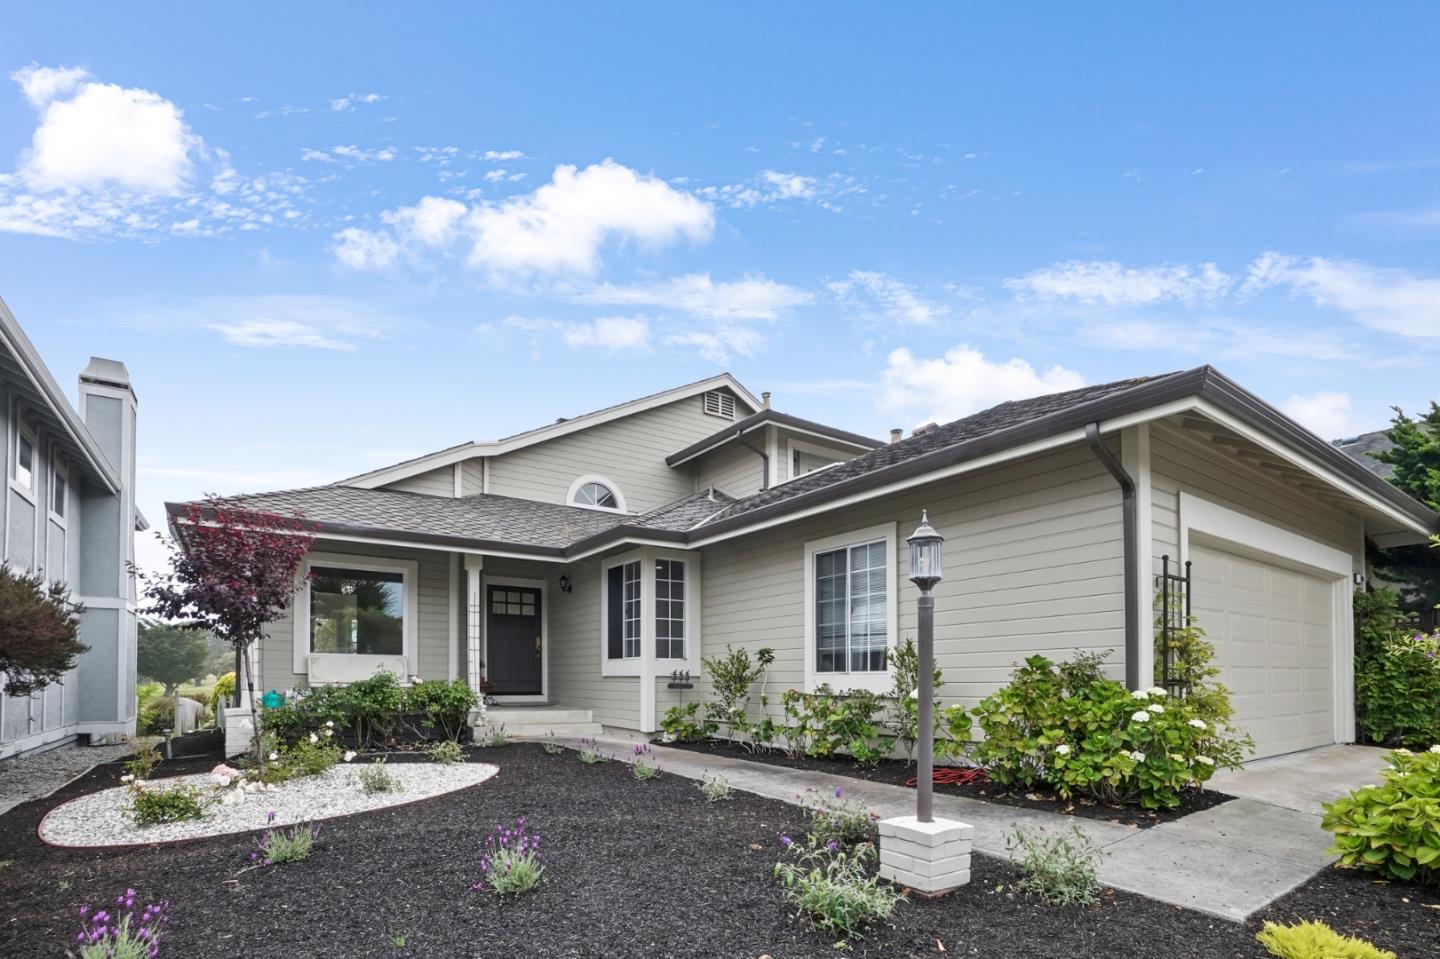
(1141,716)
(1206,760)
(349,755)
(274,757)
(1156,708)
(1063,749)
(1435,748)
(1157,691)
(1141,694)
(1138,756)
(1198,724)
(329,724)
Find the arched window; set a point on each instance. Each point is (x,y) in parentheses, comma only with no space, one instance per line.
(595,494)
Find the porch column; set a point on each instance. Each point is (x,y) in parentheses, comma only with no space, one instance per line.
(474,609)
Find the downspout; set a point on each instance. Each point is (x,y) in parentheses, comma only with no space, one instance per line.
(1132,559)
(764,460)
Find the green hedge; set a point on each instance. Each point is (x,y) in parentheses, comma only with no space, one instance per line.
(378,710)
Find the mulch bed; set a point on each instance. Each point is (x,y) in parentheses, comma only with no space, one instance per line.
(897,772)
(633,869)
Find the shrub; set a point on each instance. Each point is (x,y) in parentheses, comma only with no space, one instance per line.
(1059,868)
(223,692)
(1315,940)
(1392,828)
(143,763)
(375,778)
(683,724)
(1073,730)
(904,701)
(447,753)
(590,753)
(510,861)
(1397,690)
(117,932)
(714,787)
(552,748)
(152,805)
(833,817)
(157,718)
(826,723)
(644,768)
(731,677)
(279,846)
(38,628)
(831,887)
(442,705)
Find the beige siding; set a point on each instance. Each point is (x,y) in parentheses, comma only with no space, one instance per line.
(437,482)
(1033,564)
(472,476)
(630,452)
(733,469)
(432,618)
(573,641)
(1182,460)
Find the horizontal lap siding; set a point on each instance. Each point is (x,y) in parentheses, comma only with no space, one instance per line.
(734,469)
(630,452)
(1182,460)
(472,476)
(437,482)
(432,617)
(1033,563)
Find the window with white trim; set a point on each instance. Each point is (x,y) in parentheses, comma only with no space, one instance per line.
(25,462)
(597,495)
(623,611)
(717,403)
(357,611)
(851,609)
(59,488)
(669,609)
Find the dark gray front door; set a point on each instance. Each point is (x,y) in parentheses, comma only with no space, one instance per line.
(513,640)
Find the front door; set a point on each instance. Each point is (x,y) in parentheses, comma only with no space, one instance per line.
(513,645)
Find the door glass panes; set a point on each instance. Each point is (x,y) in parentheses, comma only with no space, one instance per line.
(512,602)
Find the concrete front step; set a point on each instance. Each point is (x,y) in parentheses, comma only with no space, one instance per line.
(537,722)
(538,730)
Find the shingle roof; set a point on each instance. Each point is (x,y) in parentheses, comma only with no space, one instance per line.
(485,517)
(686,513)
(760,418)
(1360,447)
(992,420)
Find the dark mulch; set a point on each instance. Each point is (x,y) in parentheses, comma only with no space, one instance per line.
(634,870)
(898,772)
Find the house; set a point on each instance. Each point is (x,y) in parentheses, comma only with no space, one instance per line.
(69,514)
(583,563)
(1363,448)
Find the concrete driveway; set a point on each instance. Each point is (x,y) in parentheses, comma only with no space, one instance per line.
(1237,858)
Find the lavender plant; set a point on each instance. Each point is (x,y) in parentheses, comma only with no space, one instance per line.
(645,766)
(119,932)
(833,817)
(375,778)
(714,787)
(510,860)
(276,847)
(832,888)
(590,753)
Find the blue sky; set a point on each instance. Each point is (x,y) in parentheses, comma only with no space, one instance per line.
(328,238)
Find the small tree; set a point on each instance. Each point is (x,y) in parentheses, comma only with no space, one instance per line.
(38,628)
(1414,570)
(171,655)
(232,573)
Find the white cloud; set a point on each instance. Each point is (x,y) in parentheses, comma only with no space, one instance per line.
(365,250)
(268,333)
(1108,283)
(347,104)
(95,134)
(962,382)
(501,155)
(1328,415)
(1392,300)
(362,155)
(612,333)
(43,84)
(434,221)
(750,298)
(310,155)
(266,320)
(882,295)
(560,227)
(774,186)
(720,344)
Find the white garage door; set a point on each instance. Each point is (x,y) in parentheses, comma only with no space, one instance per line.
(1274,634)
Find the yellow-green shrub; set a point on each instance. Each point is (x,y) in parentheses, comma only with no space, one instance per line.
(1315,940)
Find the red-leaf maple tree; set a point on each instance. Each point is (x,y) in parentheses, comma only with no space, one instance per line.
(232,572)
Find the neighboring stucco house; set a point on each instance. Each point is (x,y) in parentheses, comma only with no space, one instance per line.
(581,563)
(69,514)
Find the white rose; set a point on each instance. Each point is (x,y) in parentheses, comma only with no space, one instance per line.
(127,778)
(314,738)
(350,754)
(1063,749)
(1156,708)
(329,733)
(1206,760)
(1198,724)
(274,757)
(1141,717)
(1138,756)
(329,724)
(1435,749)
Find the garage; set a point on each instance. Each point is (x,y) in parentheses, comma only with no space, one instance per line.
(1274,632)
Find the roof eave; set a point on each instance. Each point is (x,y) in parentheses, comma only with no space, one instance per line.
(763,418)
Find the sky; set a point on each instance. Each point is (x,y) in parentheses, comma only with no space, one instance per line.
(328,237)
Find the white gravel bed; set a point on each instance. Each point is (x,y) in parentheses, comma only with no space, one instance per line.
(104,818)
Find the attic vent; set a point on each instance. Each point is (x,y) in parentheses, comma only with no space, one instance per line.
(720,404)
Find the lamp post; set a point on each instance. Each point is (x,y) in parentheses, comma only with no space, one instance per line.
(926,569)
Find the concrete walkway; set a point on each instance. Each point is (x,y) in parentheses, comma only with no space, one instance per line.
(1229,861)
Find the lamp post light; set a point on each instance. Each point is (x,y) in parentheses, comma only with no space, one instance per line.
(926,569)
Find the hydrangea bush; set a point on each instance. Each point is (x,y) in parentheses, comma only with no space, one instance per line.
(1392,828)
(1069,728)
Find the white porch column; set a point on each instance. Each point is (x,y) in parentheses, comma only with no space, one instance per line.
(474,609)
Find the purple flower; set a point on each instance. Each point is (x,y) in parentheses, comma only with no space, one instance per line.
(832,845)
(786,841)
(839,792)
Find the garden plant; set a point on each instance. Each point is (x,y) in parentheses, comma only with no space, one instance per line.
(117,931)
(510,860)
(1392,828)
